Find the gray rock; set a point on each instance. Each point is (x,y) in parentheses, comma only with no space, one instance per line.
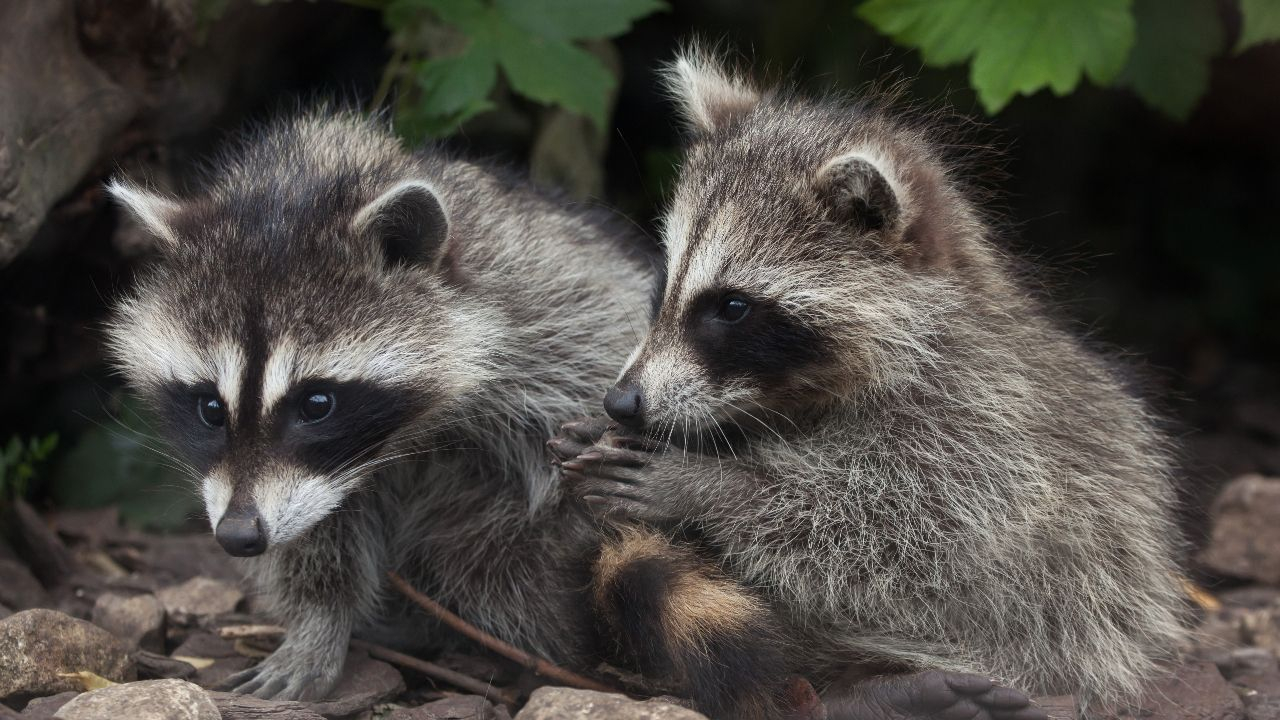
(19,589)
(154,666)
(44,708)
(1245,530)
(461,707)
(1058,707)
(146,700)
(365,682)
(206,645)
(1197,691)
(562,703)
(38,645)
(248,707)
(199,597)
(138,620)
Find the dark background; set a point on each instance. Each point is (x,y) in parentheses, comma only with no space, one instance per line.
(1161,239)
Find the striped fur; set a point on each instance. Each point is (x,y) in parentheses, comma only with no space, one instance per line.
(897,449)
(455,336)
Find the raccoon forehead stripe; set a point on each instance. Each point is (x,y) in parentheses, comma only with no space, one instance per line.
(227,366)
(279,374)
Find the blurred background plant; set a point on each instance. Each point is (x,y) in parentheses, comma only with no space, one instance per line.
(1145,177)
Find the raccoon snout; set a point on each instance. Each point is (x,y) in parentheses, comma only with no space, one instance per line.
(625,403)
(240,532)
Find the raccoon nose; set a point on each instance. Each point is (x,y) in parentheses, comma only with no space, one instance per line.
(239,532)
(625,404)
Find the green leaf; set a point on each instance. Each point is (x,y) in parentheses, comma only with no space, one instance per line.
(1261,23)
(577,19)
(469,16)
(452,84)
(1017,47)
(118,466)
(945,32)
(555,71)
(1169,65)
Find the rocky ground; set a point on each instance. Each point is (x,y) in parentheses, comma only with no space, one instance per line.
(98,621)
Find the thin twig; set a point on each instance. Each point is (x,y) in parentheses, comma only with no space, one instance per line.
(534,663)
(430,669)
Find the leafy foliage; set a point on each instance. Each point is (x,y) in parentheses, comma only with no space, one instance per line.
(1261,23)
(1160,48)
(1169,66)
(1016,47)
(19,462)
(532,42)
(122,465)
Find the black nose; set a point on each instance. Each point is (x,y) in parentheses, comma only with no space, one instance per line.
(625,404)
(239,532)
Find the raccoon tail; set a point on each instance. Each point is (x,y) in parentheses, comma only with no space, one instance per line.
(677,616)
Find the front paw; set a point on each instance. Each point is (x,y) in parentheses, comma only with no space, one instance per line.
(291,673)
(613,482)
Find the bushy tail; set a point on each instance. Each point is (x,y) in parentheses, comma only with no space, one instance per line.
(677,616)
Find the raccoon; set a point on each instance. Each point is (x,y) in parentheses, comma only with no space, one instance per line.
(360,351)
(871,424)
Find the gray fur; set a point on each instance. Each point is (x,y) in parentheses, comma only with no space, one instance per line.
(272,273)
(953,481)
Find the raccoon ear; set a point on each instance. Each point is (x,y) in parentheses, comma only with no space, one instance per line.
(709,95)
(154,212)
(859,195)
(410,223)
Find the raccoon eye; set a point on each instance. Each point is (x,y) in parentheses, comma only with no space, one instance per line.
(211,410)
(317,406)
(733,309)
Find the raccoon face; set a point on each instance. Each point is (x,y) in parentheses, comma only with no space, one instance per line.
(784,233)
(287,342)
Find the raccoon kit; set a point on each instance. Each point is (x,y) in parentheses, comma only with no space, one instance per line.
(361,351)
(883,439)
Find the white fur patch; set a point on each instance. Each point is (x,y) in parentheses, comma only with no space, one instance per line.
(291,502)
(370,211)
(216,491)
(709,95)
(150,209)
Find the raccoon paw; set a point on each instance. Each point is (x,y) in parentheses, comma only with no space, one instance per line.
(576,436)
(289,675)
(930,695)
(613,483)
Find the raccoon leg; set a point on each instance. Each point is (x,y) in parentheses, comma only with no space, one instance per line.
(319,585)
(928,695)
(676,616)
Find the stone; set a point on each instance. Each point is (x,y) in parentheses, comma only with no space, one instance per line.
(38,645)
(365,682)
(1244,538)
(154,666)
(4,611)
(19,589)
(37,543)
(199,597)
(248,707)
(138,620)
(459,707)
(212,677)
(1058,707)
(205,645)
(44,708)
(562,703)
(1196,691)
(146,700)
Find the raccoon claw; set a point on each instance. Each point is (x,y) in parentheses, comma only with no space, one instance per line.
(930,695)
(577,436)
(276,679)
